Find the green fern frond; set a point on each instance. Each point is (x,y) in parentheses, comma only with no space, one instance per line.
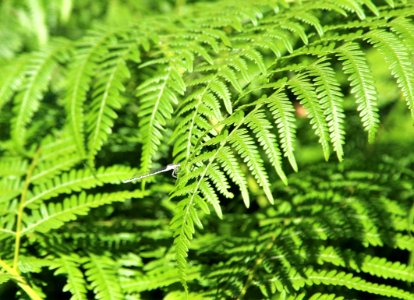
(398,59)
(50,168)
(102,275)
(54,215)
(353,6)
(158,95)
(372,265)
(12,166)
(307,96)
(13,73)
(282,111)
(183,226)
(4,278)
(75,181)
(35,80)
(68,265)
(329,93)
(106,95)
(80,74)
(245,147)
(231,166)
(362,84)
(212,87)
(261,127)
(314,277)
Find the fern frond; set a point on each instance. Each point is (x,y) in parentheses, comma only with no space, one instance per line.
(75,181)
(193,123)
(68,265)
(54,215)
(352,6)
(84,63)
(51,168)
(183,227)
(102,275)
(58,153)
(310,19)
(216,84)
(219,179)
(4,277)
(156,278)
(315,277)
(13,73)
(397,56)
(106,95)
(231,166)
(35,81)
(283,115)
(158,95)
(329,93)
(260,126)
(306,94)
(211,196)
(372,265)
(362,86)
(12,166)
(245,147)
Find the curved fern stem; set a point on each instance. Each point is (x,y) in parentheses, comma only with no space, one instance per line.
(20,281)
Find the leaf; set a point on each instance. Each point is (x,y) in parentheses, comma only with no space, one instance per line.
(329,93)
(79,78)
(399,62)
(34,83)
(283,114)
(362,86)
(245,147)
(106,97)
(55,215)
(102,275)
(306,94)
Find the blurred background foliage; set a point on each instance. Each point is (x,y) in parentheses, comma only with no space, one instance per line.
(26,25)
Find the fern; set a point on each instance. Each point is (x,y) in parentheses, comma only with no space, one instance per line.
(106,96)
(69,266)
(330,95)
(78,83)
(398,60)
(100,273)
(239,96)
(158,97)
(281,259)
(306,94)
(36,76)
(362,85)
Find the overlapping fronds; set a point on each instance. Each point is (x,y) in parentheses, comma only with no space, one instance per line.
(232,93)
(320,241)
(316,245)
(31,87)
(211,123)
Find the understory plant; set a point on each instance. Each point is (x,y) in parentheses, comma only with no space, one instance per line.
(288,125)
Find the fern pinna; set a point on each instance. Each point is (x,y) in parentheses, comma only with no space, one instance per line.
(218,88)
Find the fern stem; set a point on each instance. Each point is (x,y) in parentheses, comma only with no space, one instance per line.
(21,209)
(21,282)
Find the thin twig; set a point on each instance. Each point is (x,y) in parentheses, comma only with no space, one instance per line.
(169,167)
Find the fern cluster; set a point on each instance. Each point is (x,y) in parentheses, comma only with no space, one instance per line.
(217,87)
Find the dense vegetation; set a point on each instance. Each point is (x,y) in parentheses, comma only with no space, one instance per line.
(292,122)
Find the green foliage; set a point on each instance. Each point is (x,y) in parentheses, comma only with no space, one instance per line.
(227,91)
